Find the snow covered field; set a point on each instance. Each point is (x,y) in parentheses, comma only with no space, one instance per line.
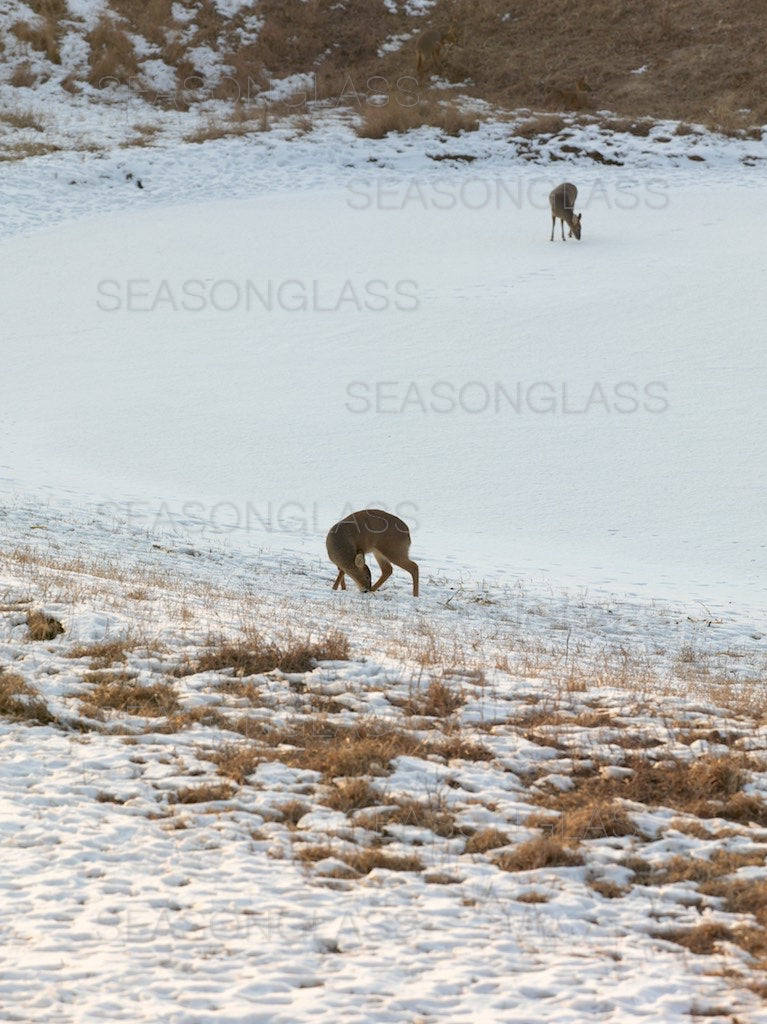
(200,375)
(271,332)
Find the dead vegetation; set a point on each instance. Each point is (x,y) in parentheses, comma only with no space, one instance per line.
(362,860)
(665,58)
(544,852)
(103,653)
(707,787)
(122,691)
(21,702)
(252,654)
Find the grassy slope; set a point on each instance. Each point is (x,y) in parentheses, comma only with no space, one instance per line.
(704,60)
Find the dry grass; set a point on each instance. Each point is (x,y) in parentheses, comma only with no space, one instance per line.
(251,654)
(486,839)
(364,859)
(706,787)
(439,701)
(351,794)
(607,889)
(237,760)
(538,853)
(379,121)
(431,814)
(43,627)
(541,124)
(24,76)
(120,691)
(292,811)
(206,792)
(685,46)
(103,653)
(336,750)
(112,57)
(21,702)
(20,117)
(703,939)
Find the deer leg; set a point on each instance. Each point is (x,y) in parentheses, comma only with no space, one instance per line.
(553,225)
(562,222)
(385,566)
(412,568)
(340,581)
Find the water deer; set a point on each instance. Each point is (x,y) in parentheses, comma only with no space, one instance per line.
(429,45)
(359,534)
(562,201)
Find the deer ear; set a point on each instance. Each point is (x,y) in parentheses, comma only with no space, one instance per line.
(359,561)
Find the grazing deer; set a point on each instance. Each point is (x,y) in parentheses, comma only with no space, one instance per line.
(370,530)
(429,45)
(572,99)
(562,201)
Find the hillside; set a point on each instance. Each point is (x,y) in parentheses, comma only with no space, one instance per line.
(239,65)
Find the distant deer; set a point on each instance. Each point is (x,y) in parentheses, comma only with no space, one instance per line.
(572,99)
(429,45)
(562,201)
(371,530)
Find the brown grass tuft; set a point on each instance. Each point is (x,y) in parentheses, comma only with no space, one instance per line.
(538,853)
(486,839)
(206,792)
(120,691)
(379,121)
(703,939)
(21,702)
(103,653)
(364,859)
(318,744)
(351,795)
(439,701)
(112,57)
(237,760)
(253,655)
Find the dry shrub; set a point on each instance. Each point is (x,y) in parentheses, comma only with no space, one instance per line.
(237,760)
(42,626)
(112,57)
(119,691)
(538,853)
(486,839)
(206,792)
(439,701)
(253,655)
(21,702)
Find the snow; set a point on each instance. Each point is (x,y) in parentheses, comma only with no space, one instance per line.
(600,430)
(198,380)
